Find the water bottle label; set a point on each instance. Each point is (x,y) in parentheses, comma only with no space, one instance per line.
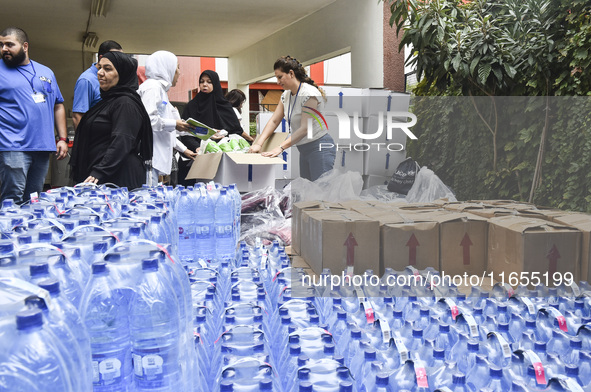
(202,231)
(509,289)
(453,307)
(360,294)
(530,306)
(107,371)
(503,342)
(576,290)
(420,372)
(401,347)
(223,230)
(386,331)
(369,314)
(538,367)
(471,324)
(148,367)
(559,317)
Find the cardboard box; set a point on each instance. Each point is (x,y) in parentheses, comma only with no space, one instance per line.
(296,221)
(463,241)
(380,100)
(248,171)
(581,222)
(385,154)
(409,239)
(517,244)
(337,239)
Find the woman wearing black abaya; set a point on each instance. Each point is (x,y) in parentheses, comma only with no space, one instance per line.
(113,142)
(211,108)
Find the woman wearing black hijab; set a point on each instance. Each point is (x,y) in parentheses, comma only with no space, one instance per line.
(113,142)
(211,108)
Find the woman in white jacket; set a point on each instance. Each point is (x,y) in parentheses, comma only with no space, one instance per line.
(162,72)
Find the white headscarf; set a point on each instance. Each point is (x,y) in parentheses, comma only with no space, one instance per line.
(161,65)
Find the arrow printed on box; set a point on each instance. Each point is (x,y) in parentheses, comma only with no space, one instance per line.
(343,159)
(284,153)
(412,249)
(553,256)
(350,243)
(466,244)
(389,102)
(387,161)
(341,100)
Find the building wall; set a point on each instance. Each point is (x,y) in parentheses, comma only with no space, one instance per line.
(393,58)
(343,26)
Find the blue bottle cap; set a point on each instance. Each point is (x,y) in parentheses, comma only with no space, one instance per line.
(45,236)
(356,333)
(443,327)
(382,379)
(302,360)
(370,354)
(496,372)
(305,387)
(8,261)
(345,386)
(458,379)
(226,385)
(295,349)
(38,269)
(24,239)
(576,343)
(341,315)
(303,374)
(266,384)
(36,302)
(150,264)
(99,267)
(340,359)
(29,318)
(52,285)
(504,327)
(539,346)
(417,333)
(438,353)
(473,345)
(572,370)
(329,348)
(6,246)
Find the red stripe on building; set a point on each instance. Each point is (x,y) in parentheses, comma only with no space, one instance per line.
(317,73)
(207,63)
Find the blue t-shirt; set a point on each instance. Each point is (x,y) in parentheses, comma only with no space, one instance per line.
(87,91)
(26,125)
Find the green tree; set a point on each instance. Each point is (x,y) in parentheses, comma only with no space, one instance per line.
(495,49)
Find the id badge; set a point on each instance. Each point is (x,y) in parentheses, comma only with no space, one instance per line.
(38,97)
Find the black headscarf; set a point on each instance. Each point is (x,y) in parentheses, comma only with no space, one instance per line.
(213,109)
(127,86)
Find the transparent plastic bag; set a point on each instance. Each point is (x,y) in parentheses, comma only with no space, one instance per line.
(333,186)
(428,187)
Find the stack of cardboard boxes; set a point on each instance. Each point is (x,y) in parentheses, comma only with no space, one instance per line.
(477,237)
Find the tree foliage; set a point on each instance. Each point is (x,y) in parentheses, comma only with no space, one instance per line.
(486,50)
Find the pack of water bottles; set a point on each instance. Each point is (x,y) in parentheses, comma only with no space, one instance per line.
(109,290)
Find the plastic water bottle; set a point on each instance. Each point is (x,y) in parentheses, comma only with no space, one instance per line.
(154,324)
(104,311)
(204,225)
(186,227)
(233,191)
(65,310)
(39,362)
(224,225)
(479,374)
(496,381)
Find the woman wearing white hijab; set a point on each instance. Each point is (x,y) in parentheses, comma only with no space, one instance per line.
(162,72)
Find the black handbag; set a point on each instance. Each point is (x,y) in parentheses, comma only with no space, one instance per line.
(404,176)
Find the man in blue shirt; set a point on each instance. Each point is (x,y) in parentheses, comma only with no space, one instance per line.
(30,104)
(87,90)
